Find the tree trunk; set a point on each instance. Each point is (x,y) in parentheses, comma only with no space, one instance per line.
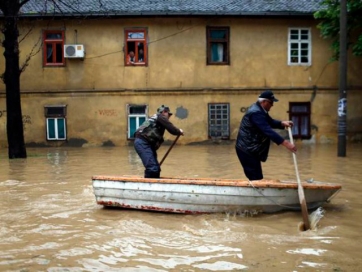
(14,126)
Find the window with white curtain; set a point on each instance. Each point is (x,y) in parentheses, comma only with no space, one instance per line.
(300,114)
(218,45)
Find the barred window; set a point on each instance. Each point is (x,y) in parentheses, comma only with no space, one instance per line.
(219,121)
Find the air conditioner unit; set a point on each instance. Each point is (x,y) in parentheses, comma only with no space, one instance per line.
(74,51)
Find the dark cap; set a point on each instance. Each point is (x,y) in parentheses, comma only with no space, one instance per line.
(164,108)
(268,95)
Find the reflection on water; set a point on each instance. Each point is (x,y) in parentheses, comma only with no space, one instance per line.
(49,220)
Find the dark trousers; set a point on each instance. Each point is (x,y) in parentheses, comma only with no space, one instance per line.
(149,158)
(251,165)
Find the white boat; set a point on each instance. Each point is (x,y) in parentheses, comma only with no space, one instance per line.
(202,195)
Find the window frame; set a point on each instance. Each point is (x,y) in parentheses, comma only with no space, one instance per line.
(56,113)
(298,125)
(137,41)
(56,128)
(54,42)
(299,42)
(137,116)
(210,119)
(210,41)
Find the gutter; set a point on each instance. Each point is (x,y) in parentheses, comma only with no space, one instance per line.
(112,14)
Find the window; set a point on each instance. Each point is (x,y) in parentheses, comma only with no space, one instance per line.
(53,44)
(219,121)
(136,47)
(299,46)
(55,122)
(217,46)
(137,114)
(299,113)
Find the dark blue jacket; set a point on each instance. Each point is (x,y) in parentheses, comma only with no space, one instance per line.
(256,131)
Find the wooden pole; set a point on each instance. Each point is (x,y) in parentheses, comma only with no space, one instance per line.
(303,203)
(168,151)
(342,101)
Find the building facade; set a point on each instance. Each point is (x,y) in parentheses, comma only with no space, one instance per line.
(82,88)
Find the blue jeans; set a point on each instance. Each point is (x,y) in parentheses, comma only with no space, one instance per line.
(148,156)
(251,165)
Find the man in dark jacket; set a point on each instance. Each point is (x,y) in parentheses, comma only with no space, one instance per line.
(149,137)
(255,133)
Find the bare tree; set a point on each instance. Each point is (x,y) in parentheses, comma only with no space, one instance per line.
(11,78)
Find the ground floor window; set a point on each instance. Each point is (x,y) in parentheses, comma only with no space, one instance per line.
(299,113)
(56,128)
(137,114)
(219,121)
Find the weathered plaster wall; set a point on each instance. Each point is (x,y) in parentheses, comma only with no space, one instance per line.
(95,119)
(98,88)
(177,56)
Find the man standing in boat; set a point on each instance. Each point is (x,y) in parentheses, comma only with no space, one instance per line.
(149,137)
(255,133)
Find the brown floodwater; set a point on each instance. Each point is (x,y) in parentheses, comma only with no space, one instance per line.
(49,220)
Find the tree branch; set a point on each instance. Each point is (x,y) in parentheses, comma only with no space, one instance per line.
(23,3)
(35,50)
(27,33)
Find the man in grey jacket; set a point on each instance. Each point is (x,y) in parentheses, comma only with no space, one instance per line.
(149,137)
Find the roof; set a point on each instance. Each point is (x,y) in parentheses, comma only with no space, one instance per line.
(169,7)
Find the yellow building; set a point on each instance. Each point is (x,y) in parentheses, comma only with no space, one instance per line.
(82,89)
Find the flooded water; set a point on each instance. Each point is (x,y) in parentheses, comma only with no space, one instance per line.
(49,220)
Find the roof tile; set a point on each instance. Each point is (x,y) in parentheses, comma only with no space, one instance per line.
(169,7)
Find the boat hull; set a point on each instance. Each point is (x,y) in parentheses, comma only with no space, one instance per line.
(195,196)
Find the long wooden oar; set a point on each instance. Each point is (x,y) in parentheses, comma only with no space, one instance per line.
(168,151)
(302,201)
